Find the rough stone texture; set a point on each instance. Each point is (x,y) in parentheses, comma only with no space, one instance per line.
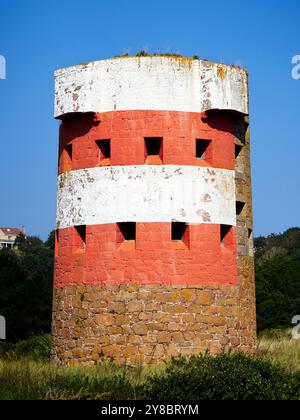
(245,256)
(147,324)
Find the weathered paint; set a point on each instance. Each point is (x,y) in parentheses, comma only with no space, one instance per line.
(146,193)
(154,258)
(127,131)
(144,300)
(150,83)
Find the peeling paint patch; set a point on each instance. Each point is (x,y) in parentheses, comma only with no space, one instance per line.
(156,83)
(141,193)
(206,198)
(205,216)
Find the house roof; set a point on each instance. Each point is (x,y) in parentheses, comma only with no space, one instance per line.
(10,231)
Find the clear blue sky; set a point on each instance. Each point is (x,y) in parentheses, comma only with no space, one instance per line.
(36,37)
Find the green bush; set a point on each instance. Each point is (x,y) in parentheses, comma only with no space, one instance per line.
(277,272)
(224,377)
(26,283)
(277,292)
(35,348)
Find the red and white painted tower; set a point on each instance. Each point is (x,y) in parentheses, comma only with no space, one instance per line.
(154,253)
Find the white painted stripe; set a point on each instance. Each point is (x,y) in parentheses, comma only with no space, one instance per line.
(146,194)
(150,83)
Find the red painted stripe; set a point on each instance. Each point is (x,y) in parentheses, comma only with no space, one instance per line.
(127,130)
(153,259)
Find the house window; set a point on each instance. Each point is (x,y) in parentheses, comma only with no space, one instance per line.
(153,150)
(203,149)
(104,151)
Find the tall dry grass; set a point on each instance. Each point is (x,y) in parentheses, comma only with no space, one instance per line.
(279,347)
(29,378)
(25,379)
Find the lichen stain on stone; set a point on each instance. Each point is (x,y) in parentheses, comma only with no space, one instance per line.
(183,62)
(221,72)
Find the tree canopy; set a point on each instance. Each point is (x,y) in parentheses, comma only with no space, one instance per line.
(26,279)
(277,267)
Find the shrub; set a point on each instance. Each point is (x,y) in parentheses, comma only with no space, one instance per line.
(224,377)
(26,283)
(277,292)
(35,348)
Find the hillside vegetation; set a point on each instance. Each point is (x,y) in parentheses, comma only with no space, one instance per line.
(26,279)
(277,267)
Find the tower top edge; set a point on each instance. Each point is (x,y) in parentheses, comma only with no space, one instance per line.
(163,82)
(183,61)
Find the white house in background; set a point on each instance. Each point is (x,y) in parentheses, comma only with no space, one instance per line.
(8,236)
(2,328)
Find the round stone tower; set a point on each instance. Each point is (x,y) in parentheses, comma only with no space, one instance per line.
(154,244)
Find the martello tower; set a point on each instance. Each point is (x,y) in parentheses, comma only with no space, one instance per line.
(154,247)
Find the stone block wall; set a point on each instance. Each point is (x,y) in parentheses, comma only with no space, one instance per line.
(147,324)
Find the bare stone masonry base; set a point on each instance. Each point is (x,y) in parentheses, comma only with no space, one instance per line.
(143,324)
